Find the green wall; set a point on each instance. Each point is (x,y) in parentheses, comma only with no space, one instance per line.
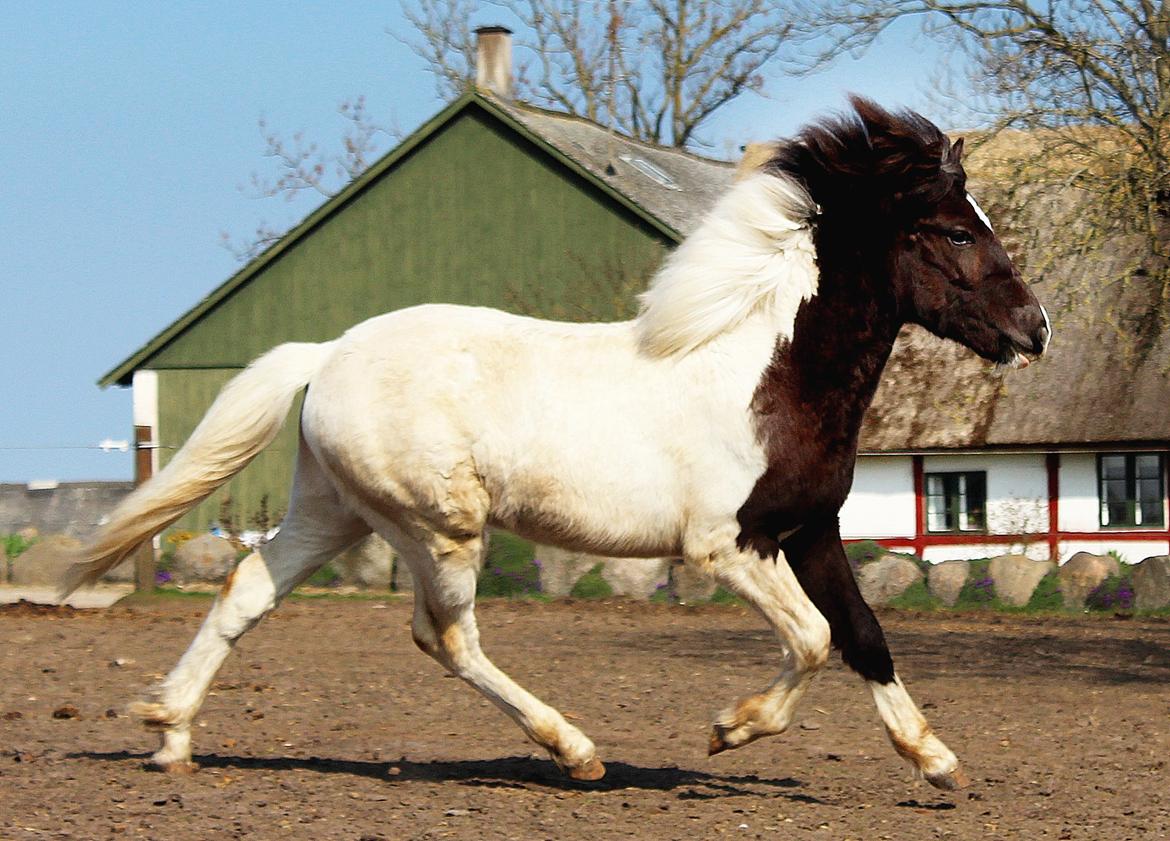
(475,215)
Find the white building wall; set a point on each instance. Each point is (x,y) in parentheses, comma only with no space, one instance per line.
(1037,549)
(1017,488)
(881,503)
(1079,505)
(1130,551)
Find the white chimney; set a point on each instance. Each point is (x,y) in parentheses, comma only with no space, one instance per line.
(493,60)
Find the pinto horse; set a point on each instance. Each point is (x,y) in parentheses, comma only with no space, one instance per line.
(720,426)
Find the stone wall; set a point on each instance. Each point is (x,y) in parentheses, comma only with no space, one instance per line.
(70,508)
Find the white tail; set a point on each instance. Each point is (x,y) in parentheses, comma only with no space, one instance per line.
(243,420)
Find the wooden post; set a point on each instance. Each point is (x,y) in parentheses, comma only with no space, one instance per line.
(144,561)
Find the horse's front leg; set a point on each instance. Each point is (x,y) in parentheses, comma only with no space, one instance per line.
(769,585)
(817,557)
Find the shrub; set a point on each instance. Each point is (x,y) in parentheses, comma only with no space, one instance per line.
(1047,595)
(863,552)
(510,568)
(14,546)
(326,576)
(1115,593)
(979,590)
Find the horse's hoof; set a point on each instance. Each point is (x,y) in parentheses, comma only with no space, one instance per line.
(716,743)
(950,781)
(180,767)
(589,772)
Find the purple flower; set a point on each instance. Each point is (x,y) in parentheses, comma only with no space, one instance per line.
(161,577)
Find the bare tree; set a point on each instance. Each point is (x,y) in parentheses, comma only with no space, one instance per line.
(301,166)
(654,69)
(1077,97)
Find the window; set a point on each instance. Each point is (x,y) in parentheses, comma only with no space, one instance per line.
(654,173)
(1131,489)
(956,502)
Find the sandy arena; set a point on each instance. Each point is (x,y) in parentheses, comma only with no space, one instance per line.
(326,723)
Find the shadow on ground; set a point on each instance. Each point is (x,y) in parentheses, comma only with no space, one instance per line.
(507,772)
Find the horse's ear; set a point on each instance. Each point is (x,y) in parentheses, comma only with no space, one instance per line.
(956,155)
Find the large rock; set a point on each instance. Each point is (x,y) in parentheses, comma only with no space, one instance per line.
(945,580)
(123,573)
(204,558)
(560,569)
(637,578)
(885,579)
(1016,577)
(1081,573)
(368,563)
(44,563)
(1151,583)
(688,585)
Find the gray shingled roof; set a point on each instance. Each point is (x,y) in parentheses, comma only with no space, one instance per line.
(692,182)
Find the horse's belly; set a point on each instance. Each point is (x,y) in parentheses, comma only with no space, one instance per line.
(608,511)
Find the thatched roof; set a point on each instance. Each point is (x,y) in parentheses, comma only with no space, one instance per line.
(1104,380)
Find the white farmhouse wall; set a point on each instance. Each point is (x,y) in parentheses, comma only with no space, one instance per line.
(1017,488)
(1130,551)
(881,503)
(1037,549)
(1079,506)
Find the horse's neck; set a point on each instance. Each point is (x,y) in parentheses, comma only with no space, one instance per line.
(831,368)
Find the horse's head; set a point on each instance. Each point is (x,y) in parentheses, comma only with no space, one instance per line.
(893,187)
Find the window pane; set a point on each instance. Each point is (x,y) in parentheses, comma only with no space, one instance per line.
(1149,501)
(976,501)
(1151,513)
(1148,467)
(1113,467)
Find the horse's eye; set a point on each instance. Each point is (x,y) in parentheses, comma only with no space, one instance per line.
(960,238)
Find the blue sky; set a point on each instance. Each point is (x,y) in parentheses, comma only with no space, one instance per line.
(127,131)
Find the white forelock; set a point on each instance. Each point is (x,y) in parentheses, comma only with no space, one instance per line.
(753,253)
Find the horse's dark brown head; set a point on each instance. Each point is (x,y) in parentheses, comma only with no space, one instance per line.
(892,190)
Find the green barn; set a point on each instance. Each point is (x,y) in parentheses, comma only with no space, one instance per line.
(489,203)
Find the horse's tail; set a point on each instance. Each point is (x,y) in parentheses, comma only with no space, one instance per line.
(243,420)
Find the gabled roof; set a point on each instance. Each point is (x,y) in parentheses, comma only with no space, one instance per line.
(672,208)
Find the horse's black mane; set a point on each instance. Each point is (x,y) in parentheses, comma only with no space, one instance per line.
(872,159)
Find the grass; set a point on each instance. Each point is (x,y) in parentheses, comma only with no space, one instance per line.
(592,585)
(916,597)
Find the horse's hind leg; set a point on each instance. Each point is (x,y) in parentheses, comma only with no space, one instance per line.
(316,529)
(445,573)
(816,555)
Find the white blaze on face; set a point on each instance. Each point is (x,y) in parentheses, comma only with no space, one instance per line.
(979,212)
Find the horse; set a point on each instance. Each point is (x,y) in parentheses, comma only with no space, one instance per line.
(720,426)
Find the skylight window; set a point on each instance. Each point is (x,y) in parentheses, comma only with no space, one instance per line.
(651,171)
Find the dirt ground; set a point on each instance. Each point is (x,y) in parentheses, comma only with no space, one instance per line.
(327,723)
